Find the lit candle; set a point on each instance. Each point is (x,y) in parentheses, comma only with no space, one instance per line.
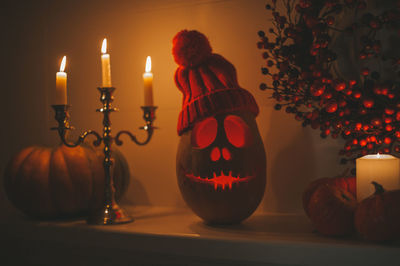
(61,84)
(105,65)
(148,84)
(381,168)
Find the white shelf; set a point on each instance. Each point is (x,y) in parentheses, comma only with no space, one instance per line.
(178,237)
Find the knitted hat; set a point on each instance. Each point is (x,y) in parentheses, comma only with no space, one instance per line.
(207,80)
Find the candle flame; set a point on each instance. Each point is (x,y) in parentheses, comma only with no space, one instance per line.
(104,46)
(62,65)
(378,155)
(148,64)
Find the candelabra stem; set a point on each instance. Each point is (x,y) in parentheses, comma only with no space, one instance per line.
(110,213)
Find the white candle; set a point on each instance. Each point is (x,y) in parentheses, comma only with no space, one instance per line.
(105,65)
(61,84)
(381,168)
(148,84)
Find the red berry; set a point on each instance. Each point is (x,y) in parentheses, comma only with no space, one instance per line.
(330,20)
(352,83)
(389,111)
(327,132)
(388,120)
(376,122)
(387,140)
(331,107)
(368,103)
(365,71)
(317,90)
(357,94)
(341,86)
(348,92)
(327,95)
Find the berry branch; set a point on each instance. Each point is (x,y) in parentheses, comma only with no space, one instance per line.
(300,58)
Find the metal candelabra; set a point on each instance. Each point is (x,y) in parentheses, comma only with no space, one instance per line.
(110,213)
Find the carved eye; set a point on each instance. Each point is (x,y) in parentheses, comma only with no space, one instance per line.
(204,133)
(237,131)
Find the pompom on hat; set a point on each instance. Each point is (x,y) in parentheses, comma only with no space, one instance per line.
(207,80)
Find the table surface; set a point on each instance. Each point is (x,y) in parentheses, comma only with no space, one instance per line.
(263,239)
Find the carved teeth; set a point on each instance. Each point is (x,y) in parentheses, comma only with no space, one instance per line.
(221,180)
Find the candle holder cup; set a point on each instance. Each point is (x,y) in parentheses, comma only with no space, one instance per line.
(111,212)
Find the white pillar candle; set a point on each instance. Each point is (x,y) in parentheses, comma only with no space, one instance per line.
(105,65)
(61,84)
(148,84)
(381,168)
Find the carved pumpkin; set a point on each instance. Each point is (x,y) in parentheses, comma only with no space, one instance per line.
(377,217)
(221,164)
(331,210)
(221,167)
(61,182)
(346,183)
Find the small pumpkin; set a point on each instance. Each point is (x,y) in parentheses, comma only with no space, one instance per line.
(61,182)
(348,183)
(331,210)
(377,217)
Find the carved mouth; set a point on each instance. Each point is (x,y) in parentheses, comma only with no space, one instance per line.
(220,180)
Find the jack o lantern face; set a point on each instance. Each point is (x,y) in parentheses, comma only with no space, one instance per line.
(221,152)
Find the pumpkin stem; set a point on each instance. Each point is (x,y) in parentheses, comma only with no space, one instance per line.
(378,188)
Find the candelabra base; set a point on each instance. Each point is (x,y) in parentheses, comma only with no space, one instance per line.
(109,215)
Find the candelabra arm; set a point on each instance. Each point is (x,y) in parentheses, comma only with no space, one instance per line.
(62,117)
(133,137)
(149,115)
(82,137)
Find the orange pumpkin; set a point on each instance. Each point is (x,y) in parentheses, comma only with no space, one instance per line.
(346,183)
(61,182)
(331,210)
(377,217)
(221,168)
